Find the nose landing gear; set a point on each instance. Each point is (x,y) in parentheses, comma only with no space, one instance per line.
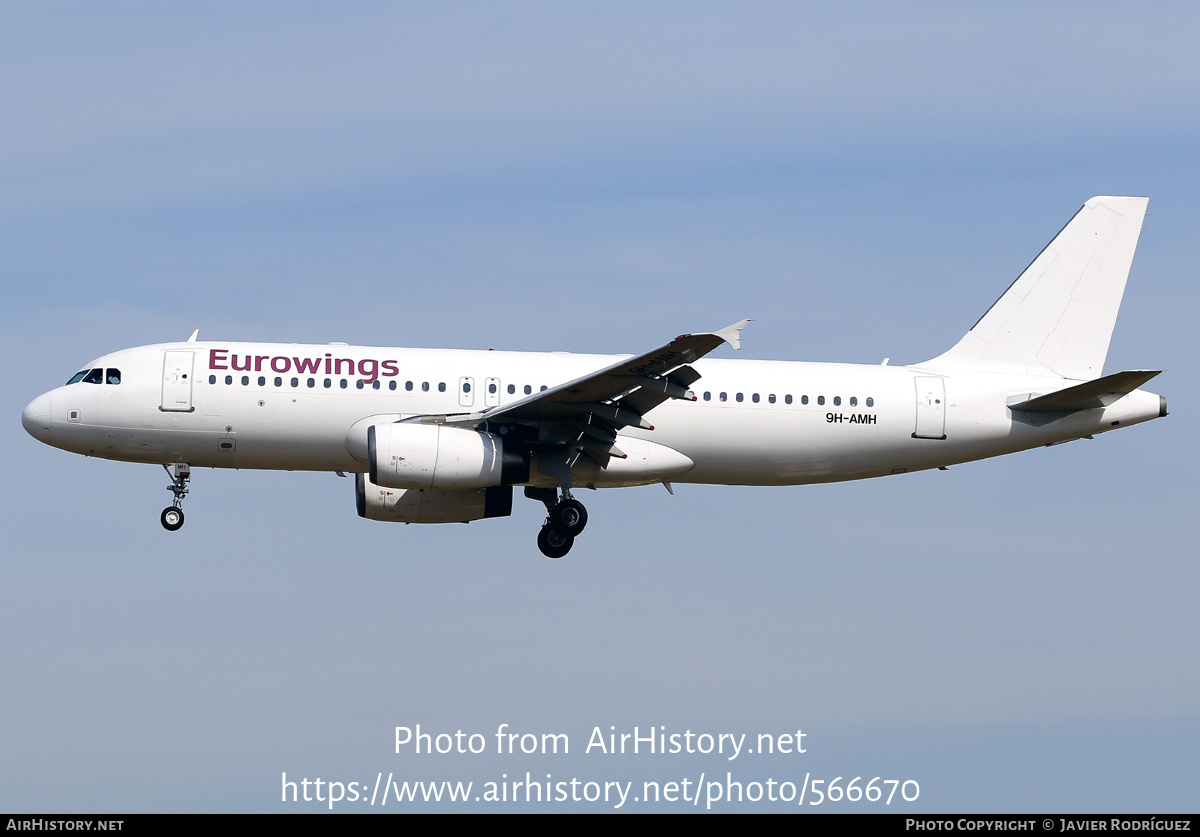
(172,516)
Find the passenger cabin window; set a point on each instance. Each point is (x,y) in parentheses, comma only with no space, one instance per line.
(787,399)
(408,386)
(95,376)
(870,402)
(512,389)
(392,385)
(771,398)
(528,389)
(425,386)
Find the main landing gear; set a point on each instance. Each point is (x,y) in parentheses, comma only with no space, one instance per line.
(172,516)
(565,519)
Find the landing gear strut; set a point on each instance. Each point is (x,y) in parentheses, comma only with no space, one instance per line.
(172,516)
(565,519)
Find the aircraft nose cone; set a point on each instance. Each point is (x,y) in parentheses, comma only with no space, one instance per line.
(36,418)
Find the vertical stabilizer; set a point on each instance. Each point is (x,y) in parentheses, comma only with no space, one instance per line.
(1057,318)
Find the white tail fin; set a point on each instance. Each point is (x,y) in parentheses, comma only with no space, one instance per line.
(1058,317)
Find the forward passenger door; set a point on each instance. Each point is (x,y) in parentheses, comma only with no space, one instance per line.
(177,382)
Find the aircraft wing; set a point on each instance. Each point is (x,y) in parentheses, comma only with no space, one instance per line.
(586,413)
(616,392)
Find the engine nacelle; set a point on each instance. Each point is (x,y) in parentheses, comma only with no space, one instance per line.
(434,456)
(411,505)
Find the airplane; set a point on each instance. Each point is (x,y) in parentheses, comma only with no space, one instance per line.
(441,436)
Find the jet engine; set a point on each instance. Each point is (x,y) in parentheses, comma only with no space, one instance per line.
(434,456)
(412,505)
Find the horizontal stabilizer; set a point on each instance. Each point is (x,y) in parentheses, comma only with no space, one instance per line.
(1089,395)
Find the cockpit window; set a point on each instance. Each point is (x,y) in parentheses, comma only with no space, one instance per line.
(96,376)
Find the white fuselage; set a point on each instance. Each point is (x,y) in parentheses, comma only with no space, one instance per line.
(302,407)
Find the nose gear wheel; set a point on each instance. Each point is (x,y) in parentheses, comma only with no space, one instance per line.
(171,518)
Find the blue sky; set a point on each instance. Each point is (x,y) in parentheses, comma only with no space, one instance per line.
(862,180)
